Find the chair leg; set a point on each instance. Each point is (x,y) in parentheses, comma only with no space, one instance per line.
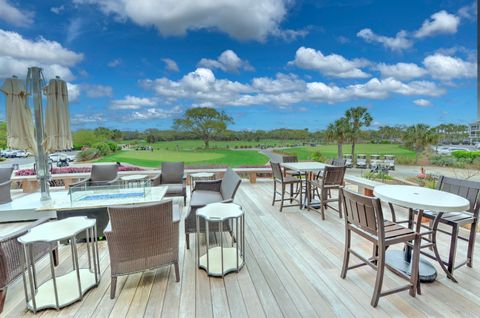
(187,240)
(453,249)
(113,287)
(283,197)
(471,243)
(379,281)
(3,295)
(291,193)
(274,192)
(177,271)
(340,211)
(414,277)
(322,205)
(346,253)
(55,257)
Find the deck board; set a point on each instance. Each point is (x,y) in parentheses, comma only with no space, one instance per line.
(292,269)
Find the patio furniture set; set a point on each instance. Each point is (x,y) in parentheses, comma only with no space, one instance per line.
(141,231)
(455,203)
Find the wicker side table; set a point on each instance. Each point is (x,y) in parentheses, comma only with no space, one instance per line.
(224,257)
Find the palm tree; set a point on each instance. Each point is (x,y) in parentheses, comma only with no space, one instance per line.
(338,132)
(357,118)
(418,137)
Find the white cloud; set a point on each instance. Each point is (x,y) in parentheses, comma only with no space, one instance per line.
(401,71)
(331,65)
(154,113)
(397,43)
(171,65)
(440,22)
(57,10)
(74,29)
(132,102)
(81,119)
(244,20)
(73,92)
(468,12)
(445,67)
(228,61)
(114,63)
(201,87)
(14,16)
(96,91)
(422,102)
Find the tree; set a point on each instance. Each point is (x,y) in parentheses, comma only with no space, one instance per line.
(204,122)
(338,132)
(103,134)
(357,118)
(418,137)
(84,137)
(3,135)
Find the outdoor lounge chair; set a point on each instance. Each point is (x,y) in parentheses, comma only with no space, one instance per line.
(364,217)
(172,176)
(5,184)
(101,174)
(210,191)
(470,190)
(12,257)
(142,237)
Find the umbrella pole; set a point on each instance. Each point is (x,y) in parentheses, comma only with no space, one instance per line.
(41,158)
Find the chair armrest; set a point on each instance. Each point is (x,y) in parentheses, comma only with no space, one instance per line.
(209,185)
(157,180)
(80,182)
(113,181)
(5,183)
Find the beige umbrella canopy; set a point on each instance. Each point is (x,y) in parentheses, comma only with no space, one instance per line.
(57,117)
(20,132)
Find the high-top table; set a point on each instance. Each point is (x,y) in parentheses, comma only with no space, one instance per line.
(61,291)
(420,199)
(310,169)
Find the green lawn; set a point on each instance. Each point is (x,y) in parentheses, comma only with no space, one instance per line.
(330,151)
(232,158)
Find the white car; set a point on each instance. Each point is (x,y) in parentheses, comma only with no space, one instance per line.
(21,154)
(55,157)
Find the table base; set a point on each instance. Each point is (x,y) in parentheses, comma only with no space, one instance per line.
(215,261)
(396,259)
(68,290)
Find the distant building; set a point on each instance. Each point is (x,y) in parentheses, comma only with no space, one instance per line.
(474,132)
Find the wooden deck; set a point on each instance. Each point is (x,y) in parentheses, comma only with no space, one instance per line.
(293,262)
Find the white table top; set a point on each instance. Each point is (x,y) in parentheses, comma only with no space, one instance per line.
(421,198)
(304,166)
(220,211)
(57,230)
(134,177)
(202,175)
(61,199)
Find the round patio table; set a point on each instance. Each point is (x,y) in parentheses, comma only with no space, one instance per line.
(420,199)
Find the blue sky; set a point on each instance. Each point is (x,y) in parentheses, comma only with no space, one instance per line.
(137,64)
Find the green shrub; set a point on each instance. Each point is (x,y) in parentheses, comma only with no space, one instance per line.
(443,161)
(113,146)
(103,148)
(88,154)
(317,156)
(467,155)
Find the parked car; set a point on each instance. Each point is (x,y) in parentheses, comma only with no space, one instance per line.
(55,157)
(9,153)
(389,162)
(362,161)
(21,154)
(348,161)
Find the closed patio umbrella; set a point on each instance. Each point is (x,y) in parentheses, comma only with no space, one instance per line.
(20,132)
(58,135)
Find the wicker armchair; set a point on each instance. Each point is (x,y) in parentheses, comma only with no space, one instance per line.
(142,237)
(12,259)
(5,182)
(210,191)
(172,176)
(101,174)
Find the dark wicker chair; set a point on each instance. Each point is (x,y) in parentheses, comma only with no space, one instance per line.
(470,190)
(101,174)
(142,237)
(294,183)
(364,217)
(12,259)
(5,184)
(210,191)
(330,179)
(172,176)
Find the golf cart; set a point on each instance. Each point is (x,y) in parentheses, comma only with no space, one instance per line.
(375,162)
(348,161)
(362,161)
(389,162)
